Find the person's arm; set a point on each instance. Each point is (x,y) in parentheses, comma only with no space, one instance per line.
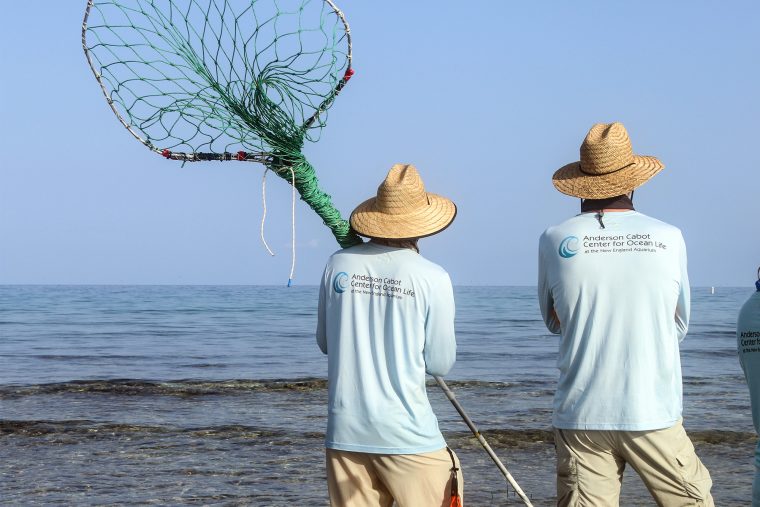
(321,324)
(440,341)
(683,306)
(545,298)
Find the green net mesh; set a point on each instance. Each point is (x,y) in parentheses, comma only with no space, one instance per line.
(225,80)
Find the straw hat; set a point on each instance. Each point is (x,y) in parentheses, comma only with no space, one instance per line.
(607,167)
(402,208)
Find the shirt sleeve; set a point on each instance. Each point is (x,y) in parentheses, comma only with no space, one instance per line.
(683,307)
(545,298)
(321,323)
(440,340)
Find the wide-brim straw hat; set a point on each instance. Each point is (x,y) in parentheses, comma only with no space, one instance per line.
(402,208)
(607,167)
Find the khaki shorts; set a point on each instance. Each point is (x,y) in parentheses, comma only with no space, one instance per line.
(359,479)
(590,467)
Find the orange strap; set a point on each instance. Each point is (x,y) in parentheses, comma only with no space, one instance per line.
(456,500)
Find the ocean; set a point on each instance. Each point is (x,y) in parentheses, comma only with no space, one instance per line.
(216,395)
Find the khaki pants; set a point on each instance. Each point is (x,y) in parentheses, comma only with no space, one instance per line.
(358,479)
(590,467)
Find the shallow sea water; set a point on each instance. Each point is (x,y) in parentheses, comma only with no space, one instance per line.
(216,396)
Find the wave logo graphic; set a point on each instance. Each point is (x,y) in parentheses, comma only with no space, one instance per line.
(568,247)
(340,282)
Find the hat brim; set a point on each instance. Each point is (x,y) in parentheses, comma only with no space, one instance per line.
(426,221)
(572,181)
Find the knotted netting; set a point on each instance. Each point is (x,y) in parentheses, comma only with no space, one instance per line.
(247,80)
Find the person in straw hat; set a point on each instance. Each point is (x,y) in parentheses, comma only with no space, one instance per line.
(385,319)
(748,347)
(612,283)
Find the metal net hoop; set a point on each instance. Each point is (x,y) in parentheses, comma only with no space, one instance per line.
(247,80)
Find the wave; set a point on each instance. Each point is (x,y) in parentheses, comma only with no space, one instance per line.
(730,378)
(188,388)
(497,438)
(505,438)
(80,357)
(92,429)
(722,437)
(729,352)
(184,388)
(501,438)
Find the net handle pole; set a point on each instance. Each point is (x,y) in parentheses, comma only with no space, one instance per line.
(450,395)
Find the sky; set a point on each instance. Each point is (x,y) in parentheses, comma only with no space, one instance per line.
(486,98)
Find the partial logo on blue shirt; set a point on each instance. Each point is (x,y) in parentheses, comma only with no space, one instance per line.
(340,282)
(568,247)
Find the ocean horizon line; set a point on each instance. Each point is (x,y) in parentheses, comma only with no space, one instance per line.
(462,285)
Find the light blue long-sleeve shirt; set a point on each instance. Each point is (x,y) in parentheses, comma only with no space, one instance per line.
(748,346)
(619,298)
(385,318)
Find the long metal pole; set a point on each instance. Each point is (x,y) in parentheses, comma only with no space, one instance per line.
(474,429)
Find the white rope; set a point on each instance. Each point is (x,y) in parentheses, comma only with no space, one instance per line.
(264,216)
(292,226)
(292,220)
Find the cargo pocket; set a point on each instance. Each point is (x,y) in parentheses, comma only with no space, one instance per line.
(567,474)
(696,478)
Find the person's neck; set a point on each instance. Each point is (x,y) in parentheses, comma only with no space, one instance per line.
(411,244)
(616,203)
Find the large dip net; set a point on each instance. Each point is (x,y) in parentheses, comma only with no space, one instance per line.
(246,80)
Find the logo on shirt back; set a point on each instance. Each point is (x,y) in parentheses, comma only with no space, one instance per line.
(568,247)
(340,282)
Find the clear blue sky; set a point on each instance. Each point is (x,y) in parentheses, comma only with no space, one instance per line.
(486,98)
